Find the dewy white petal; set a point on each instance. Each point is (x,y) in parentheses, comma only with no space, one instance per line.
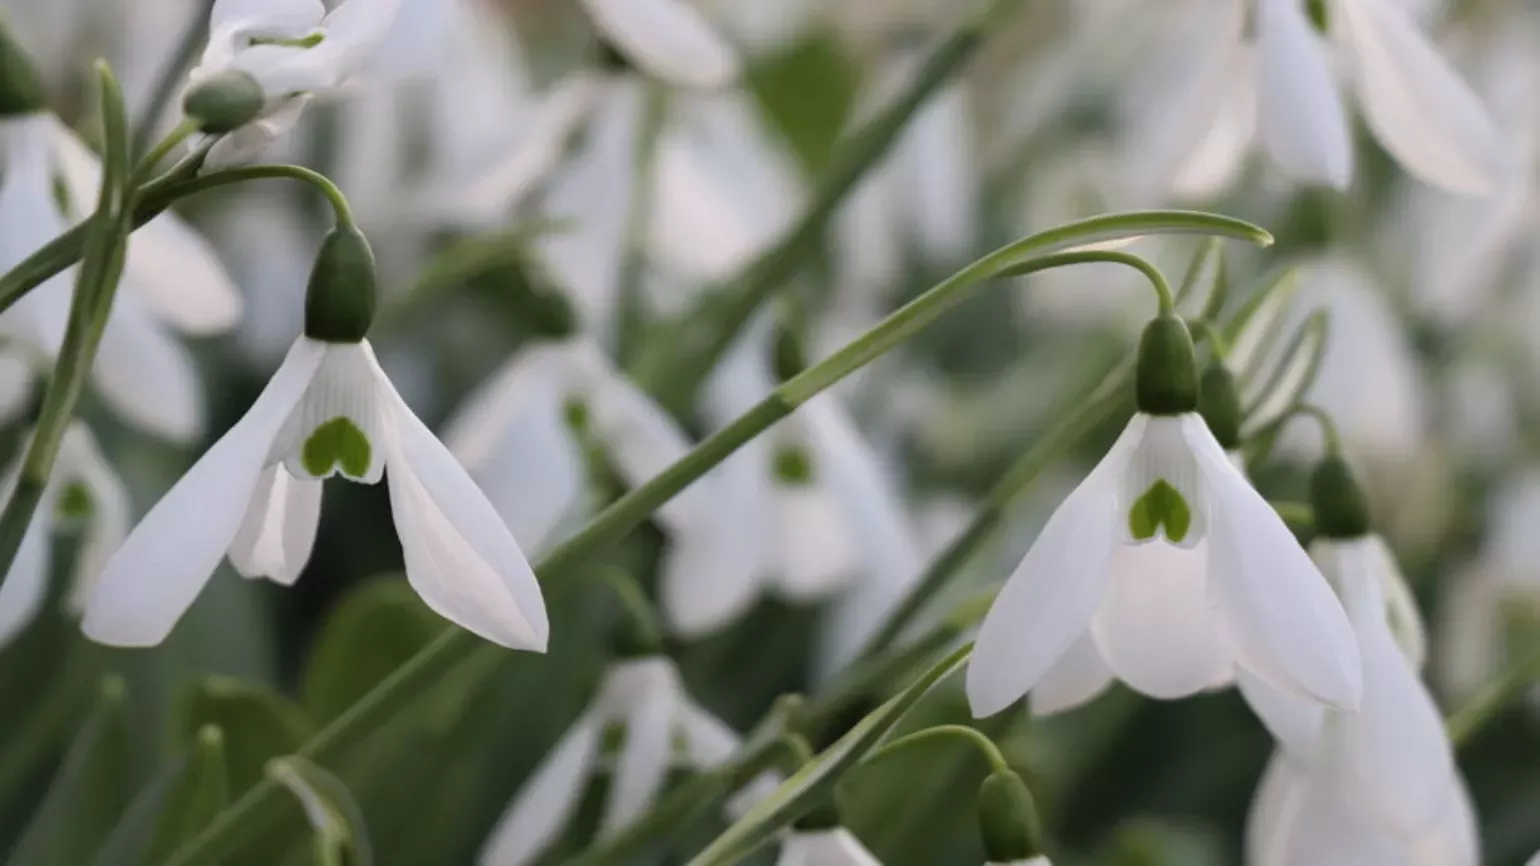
(1154,627)
(1280,615)
(1417,105)
(548,800)
(154,577)
(81,461)
(645,757)
(1049,600)
(459,556)
(1077,678)
(834,847)
(147,376)
(1303,124)
(279,529)
(26,584)
(666,38)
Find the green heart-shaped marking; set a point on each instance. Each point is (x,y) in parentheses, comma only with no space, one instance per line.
(75,502)
(338,442)
(1161,505)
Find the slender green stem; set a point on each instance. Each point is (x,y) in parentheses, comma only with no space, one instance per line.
(1329,436)
(1466,722)
(162,150)
(1165,300)
(241,174)
(973,737)
(646,632)
(631,309)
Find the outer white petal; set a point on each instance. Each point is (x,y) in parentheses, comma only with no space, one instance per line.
(81,460)
(707,740)
(1281,617)
(146,376)
(1304,127)
(1049,600)
(279,529)
(260,15)
(1294,721)
(1401,605)
(159,570)
(1212,166)
(26,584)
(938,158)
(814,554)
(1417,105)
(459,556)
(667,38)
(1077,678)
(836,847)
(547,801)
(1329,828)
(711,577)
(1155,628)
(644,760)
(1273,810)
(1454,839)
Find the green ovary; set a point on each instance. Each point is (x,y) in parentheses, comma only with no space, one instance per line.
(1161,505)
(340,443)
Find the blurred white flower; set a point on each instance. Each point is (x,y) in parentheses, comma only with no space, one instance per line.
(1168,570)
(668,39)
(257,494)
(660,728)
(83,489)
(835,846)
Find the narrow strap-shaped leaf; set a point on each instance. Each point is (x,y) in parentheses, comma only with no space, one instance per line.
(340,837)
(257,725)
(182,798)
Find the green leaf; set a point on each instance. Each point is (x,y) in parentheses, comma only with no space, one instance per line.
(183,798)
(258,725)
(815,782)
(88,794)
(1161,505)
(373,631)
(340,837)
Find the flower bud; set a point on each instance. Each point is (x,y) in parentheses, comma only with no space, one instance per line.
(1007,819)
(224,102)
(1166,382)
(1341,508)
(340,299)
(1219,402)
(21,87)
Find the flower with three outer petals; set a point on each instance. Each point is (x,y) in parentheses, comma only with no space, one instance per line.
(85,488)
(1372,788)
(834,846)
(660,727)
(1271,75)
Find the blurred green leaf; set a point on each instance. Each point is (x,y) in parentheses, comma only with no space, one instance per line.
(182,799)
(1145,842)
(340,836)
(808,91)
(90,791)
(258,725)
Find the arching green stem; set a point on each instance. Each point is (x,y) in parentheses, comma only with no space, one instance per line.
(973,737)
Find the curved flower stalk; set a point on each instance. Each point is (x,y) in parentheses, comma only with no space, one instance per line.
(171,276)
(256,493)
(83,489)
(1165,569)
(660,729)
(1260,71)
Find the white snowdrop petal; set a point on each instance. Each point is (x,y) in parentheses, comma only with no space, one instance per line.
(666,38)
(644,760)
(938,155)
(349,386)
(1454,839)
(479,426)
(1417,105)
(1163,454)
(1281,617)
(548,800)
(708,741)
(254,139)
(81,461)
(709,579)
(146,376)
(1079,676)
(257,15)
(355,29)
(26,584)
(459,556)
(834,847)
(1327,826)
(1050,598)
(1294,721)
(278,532)
(1300,114)
(815,555)
(1272,812)
(164,562)
(1154,627)
(1401,605)
(1211,166)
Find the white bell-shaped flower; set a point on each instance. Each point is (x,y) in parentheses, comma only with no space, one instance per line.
(669,39)
(83,489)
(660,728)
(835,846)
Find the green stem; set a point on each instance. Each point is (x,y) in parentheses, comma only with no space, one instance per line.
(1465,723)
(630,308)
(225,177)
(1329,435)
(674,368)
(985,745)
(161,150)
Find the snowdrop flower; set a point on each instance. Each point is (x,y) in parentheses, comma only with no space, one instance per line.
(256,493)
(834,846)
(1166,569)
(85,488)
(668,39)
(660,727)
(1261,70)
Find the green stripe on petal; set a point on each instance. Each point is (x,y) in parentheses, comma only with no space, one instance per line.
(337,443)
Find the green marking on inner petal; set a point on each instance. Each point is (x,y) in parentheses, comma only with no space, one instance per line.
(309,41)
(575,413)
(75,502)
(1161,505)
(793,466)
(338,442)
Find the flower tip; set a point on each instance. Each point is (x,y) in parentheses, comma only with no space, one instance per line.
(116,631)
(986,698)
(224,102)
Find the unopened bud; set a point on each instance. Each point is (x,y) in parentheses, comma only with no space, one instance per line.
(1008,819)
(224,102)
(340,299)
(1166,382)
(1341,508)
(1219,402)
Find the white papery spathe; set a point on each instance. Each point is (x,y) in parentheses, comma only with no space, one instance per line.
(256,494)
(662,728)
(171,279)
(1276,80)
(1168,617)
(669,39)
(835,846)
(81,477)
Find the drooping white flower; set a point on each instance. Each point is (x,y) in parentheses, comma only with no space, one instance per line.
(660,728)
(1166,569)
(835,846)
(171,277)
(85,488)
(256,494)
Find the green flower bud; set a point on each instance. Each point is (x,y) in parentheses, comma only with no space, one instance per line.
(1166,382)
(1008,819)
(1219,402)
(340,300)
(21,87)
(224,102)
(1341,508)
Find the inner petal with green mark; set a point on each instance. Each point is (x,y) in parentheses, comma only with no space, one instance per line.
(1162,506)
(336,445)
